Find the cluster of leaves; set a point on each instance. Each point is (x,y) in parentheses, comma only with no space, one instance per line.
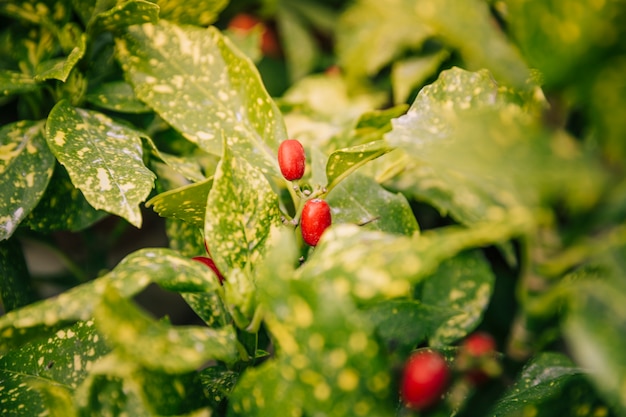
(472,153)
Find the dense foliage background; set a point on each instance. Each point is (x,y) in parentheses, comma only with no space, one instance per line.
(472,153)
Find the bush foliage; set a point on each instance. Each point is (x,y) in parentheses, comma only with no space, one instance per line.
(472,153)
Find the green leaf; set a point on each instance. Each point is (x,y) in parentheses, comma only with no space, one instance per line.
(162,266)
(360,200)
(375,265)
(261,391)
(370,34)
(320,107)
(563,41)
(463,128)
(156,345)
(60,68)
(409,73)
(193,12)
(12,82)
(124,14)
(543,384)
(327,359)
(301,52)
(192,166)
(209,307)
(241,209)
(62,207)
(26,166)
(462,285)
(103,159)
(188,203)
(185,238)
(469,27)
(15,286)
(593,328)
(405,324)
(200,84)
(60,362)
(343,162)
(218,382)
(118,386)
(117,96)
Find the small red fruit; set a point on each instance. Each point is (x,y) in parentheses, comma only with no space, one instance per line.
(424,379)
(476,357)
(315,219)
(479,344)
(209,262)
(244,22)
(291,159)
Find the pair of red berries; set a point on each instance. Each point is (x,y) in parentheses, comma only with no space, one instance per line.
(426,373)
(315,217)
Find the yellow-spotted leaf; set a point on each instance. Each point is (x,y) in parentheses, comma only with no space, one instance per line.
(103,159)
(193,12)
(477,149)
(124,14)
(164,267)
(60,68)
(12,82)
(117,96)
(57,363)
(187,203)
(241,209)
(26,166)
(461,286)
(197,81)
(157,345)
(343,162)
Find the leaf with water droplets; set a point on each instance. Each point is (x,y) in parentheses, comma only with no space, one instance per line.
(103,159)
(26,166)
(477,149)
(542,385)
(197,81)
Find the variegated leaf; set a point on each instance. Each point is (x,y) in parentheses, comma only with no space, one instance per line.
(103,159)
(205,88)
(26,166)
(242,207)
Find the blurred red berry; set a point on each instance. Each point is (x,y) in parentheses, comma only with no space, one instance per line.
(424,379)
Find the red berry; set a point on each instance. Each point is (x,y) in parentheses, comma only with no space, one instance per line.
(424,380)
(315,219)
(209,262)
(291,159)
(474,356)
(243,22)
(479,344)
